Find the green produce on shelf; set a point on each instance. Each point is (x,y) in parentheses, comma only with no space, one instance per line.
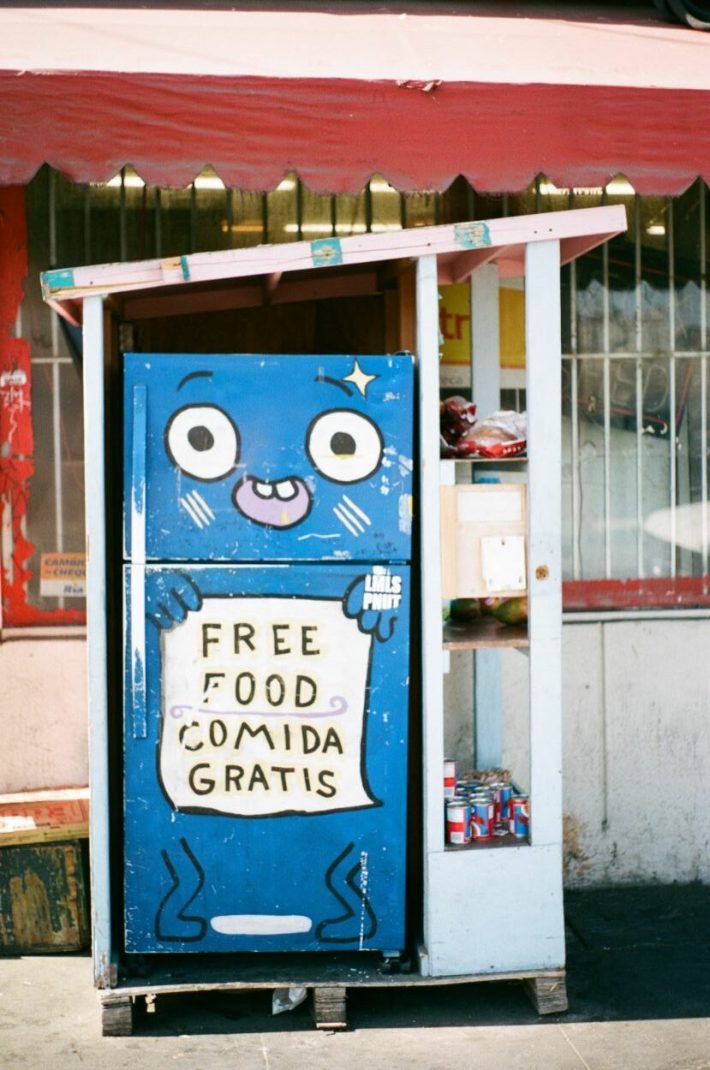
(465,609)
(512,611)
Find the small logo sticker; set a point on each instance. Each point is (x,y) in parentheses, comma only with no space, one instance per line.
(472,235)
(62,279)
(326,252)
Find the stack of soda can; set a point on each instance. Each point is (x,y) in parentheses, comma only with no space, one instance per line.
(520,816)
(478,810)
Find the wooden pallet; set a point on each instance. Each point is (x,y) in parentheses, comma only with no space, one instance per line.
(324,980)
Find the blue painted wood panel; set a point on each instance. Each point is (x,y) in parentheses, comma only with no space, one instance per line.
(265,797)
(268,457)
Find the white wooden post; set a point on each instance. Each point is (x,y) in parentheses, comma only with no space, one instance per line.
(93,371)
(427,307)
(485,379)
(543,384)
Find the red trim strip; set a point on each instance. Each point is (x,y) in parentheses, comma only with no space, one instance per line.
(16,462)
(337,133)
(681,592)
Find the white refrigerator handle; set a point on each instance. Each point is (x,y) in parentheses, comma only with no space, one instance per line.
(138,517)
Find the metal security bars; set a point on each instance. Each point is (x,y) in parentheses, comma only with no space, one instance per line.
(636,400)
(635,368)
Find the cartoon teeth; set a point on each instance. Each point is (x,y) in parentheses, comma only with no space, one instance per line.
(278,503)
(285,489)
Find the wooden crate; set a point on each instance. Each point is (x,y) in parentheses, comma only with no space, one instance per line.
(43,898)
(44,816)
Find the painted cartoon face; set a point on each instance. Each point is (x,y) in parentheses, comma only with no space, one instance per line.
(269,445)
(342,445)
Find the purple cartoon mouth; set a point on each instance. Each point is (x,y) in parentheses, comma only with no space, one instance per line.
(279,503)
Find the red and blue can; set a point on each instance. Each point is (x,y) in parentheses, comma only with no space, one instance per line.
(520,816)
(458,822)
(506,794)
(449,778)
(482,817)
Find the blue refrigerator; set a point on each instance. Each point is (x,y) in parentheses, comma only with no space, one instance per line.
(267,534)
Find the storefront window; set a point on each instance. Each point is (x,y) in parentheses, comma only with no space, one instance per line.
(635,400)
(635,369)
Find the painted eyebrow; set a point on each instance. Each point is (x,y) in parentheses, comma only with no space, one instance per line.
(194,375)
(333,382)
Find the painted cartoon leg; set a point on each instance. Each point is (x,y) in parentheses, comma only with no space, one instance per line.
(173,923)
(358,922)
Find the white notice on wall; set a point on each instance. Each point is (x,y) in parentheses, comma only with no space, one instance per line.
(477,504)
(263,707)
(503,562)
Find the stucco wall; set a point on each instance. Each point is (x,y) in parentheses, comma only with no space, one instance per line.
(636,697)
(43,722)
(637,750)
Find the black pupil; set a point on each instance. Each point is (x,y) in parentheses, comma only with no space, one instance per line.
(200,438)
(342,443)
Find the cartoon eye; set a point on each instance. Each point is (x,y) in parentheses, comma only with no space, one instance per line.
(344,445)
(202,441)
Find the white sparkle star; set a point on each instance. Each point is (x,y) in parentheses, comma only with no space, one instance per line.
(359,378)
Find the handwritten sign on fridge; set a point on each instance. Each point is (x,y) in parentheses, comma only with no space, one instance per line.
(263,707)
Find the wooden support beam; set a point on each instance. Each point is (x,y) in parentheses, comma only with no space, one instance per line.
(329,1007)
(459,268)
(270,284)
(116,1016)
(548,993)
(186,301)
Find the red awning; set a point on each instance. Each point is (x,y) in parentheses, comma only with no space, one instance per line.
(495,99)
(336,135)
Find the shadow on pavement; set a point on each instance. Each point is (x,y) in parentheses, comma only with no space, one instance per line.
(633,953)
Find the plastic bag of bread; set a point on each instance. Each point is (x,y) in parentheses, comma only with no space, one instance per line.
(502,434)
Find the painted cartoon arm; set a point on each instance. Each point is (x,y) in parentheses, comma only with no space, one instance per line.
(172,596)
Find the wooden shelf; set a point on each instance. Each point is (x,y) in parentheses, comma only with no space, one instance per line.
(492,463)
(474,458)
(484,632)
(489,845)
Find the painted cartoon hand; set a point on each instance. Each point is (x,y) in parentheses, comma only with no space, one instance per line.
(374,601)
(170,598)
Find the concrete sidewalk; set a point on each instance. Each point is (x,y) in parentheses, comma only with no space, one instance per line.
(638,982)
